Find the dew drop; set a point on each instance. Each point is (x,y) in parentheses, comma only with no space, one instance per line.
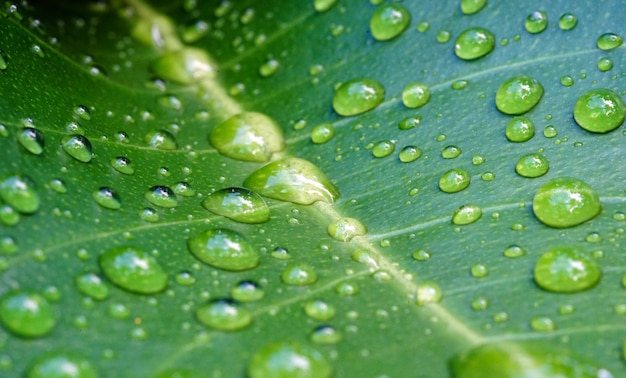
(451,152)
(288,360)
(248,136)
(599,111)
(347,289)
(567,81)
(247,291)
(409,154)
(480,304)
(454,180)
(542,324)
(421,255)
(459,84)
(443,36)
(364,257)
(605,64)
(161,196)
(280,253)
(520,129)
(32,140)
(123,165)
(239,204)
(26,314)
(536,22)
(224,249)
(472,6)
(609,41)
(389,21)
(550,131)
(294,180)
(61,364)
(19,192)
(184,189)
(184,66)
(194,31)
(474,43)
(4,61)
(78,147)
(319,310)
(91,284)
(409,122)
(568,21)
(514,251)
(8,245)
(224,315)
(322,133)
(532,165)
(326,335)
(566,270)
(299,274)
(478,159)
(133,269)
(107,198)
(479,270)
(161,139)
(358,96)
(565,202)
(148,214)
(415,95)
(119,311)
(344,229)
(323,5)
(428,292)
(466,214)
(269,68)
(383,149)
(518,95)
(185,278)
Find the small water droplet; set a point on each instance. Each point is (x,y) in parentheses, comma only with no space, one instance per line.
(428,292)
(466,214)
(500,317)
(184,66)
(472,6)
(119,311)
(518,95)
(459,84)
(347,289)
(550,131)
(474,43)
(450,152)
(536,22)
(566,270)
(184,189)
(609,41)
(389,21)
(409,154)
(520,129)
(92,285)
(599,111)
(299,274)
(542,324)
(19,192)
(239,204)
(565,202)
(514,251)
(326,335)
(133,269)
(364,257)
(161,139)
(123,165)
(319,310)
(454,180)
(567,81)
(61,364)
(32,140)
(478,159)
(149,214)
(358,96)
(269,68)
(532,165)
(161,196)
(322,133)
(224,315)
(194,31)
(568,21)
(185,278)
(605,64)
(421,255)
(107,198)
(479,270)
(423,26)
(415,95)
(383,149)
(247,291)
(26,314)
(4,61)
(224,249)
(480,304)
(78,147)
(409,122)
(566,309)
(288,360)
(443,36)
(344,229)
(323,5)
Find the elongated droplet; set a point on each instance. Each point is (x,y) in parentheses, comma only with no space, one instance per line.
(326,335)
(599,111)
(26,314)
(532,165)
(123,165)
(133,269)
(428,292)
(288,360)
(358,96)
(518,95)
(472,6)
(568,21)
(389,21)
(107,198)
(161,139)
(520,129)
(474,43)
(32,140)
(92,285)
(567,269)
(467,214)
(248,136)
(344,229)
(294,180)
(239,204)
(322,133)
(415,95)
(224,315)
(565,202)
(78,147)
(61,364)
(184,66)
(224,249)
(454,180)
(162,196)
(19,192)
(609,41)
(319,310)
(323,5)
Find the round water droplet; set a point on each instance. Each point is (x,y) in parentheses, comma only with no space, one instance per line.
(224,249)
(536,22)
(518,95)
(9,215)
(107,198)
(294,180)
(454,180)
(82,112)
(358,96)
(566,270)
(415,95)
(609,41)
(347,289)
(300,274)
(133,269)
(185,278)
(92,285)
(532,165)
(428,292)
(26,314)
(409,123)
(542,324)
(319,310)
(422,255)
(383,149)
(568,21)
(474,43)
(4,61)
(322,133)
(269,68)
(288,360)
(567,81)
(239,204)
(184,189)
(605,64)
(119,311)
(344,229)
(248,136)
(194,31)
(566,202)
(599,111)
(323,5)
(78,147)
(224,315)
(479,270)
(247,291)
(61,364)
(18,191)
(466,214)
(161,196)
(550,131)
(520,129)
(32,140)
(184,66)
(8,245)
(161,139)
(326,335)
(472,6)
(450,152)
(409,154)
(280,253)
(443,36)
(514,251)
(123,165)
(480,304)
(389,21)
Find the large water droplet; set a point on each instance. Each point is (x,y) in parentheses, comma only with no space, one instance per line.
(224,315)
(161,139)
(248,136)
(536,22)
(61,364)
(161,196)
(294,180)
(609,41)
(26,314)
(358,96)
(133,269)
(599,111)
(520,129)
(566,269)
(532,165)
(32,140)
(300,274)
(389,21)
(518,95)
(474,43)
(454,180)
(184,66)
(323,5)
(344,229)
(224,249)
(415,95)
(239,204)
(472,6)
(19,192)
(92,285)
(566,202)
(466,214)
(78,147)
(107,198)
(288,360)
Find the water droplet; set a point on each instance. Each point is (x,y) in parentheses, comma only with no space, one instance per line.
(421,255)
(480,304)
(443,36)
(239,204)
(161,139)
(450,152)
(319,310)
(184,66)
(119,311)
(423,26)
(567,21)
(466,214)
(194,31)
(454,180)
(294,180)
(185,278)
(224,315)
(347,289)
(609,41)
(488,176)
(78,147)
(383,149)
(567,81)
(472,6)
(248,136)
(566,270)
(415,95)
(288,360)
(532,165)
(148,214)
(358,96)
(18,191)
(323,5)
(344,229)
(409,122)
(550,131)
(161,196)
(536,22)
(520,129)
(428,292)
(593,237)
(280,253)
(326,335)
(61,364)
(478,159)
(474,43)
(26,314)
(322,133)
(247,291)
(133,269)
(605,64)
(389,21)
(224,249)
(300,274)
(107,198)
(565,202)
(8,245)
(32,140)
(542,324)
(514,251)
(599,111)
(92,285)
(479,270)
(8,215)
(500,317)
(459,84)
(123,165)
(566,309)
(269,68)
(184,189)
(518,95)
(409,154)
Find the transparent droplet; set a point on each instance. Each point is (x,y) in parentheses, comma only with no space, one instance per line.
(123,165)
(567,81)
(364,257)
(605,64)
(185,278)
(26,314)
(322,133)
(133,269)
(61,364)
(450,152)
(280,253)
(8,215)
(347,289)
(184,66)
(224,315)
(565,202)
(78,147)
(224,249)
(415,95)
(428,292)
(389,21)
(550,131)
(19,192)
(478,159)
(32,140)
(459,84)
(421,255)
(566,309)
(344,229)
(358,96)
(479,270)
(443,36)
(288,360)
(184,189)
(161,196)
(514,251)
(480,304)
(247,291)
(107,198)
(194,31)
(423,26)
(4,61)
(323,5)
(91,284)
(383,149)
(326,335)
(409,154)
(536,22)
(466,214)
(8,245)
(299,274)
(149,214)
(319,310)
(568,21)
(409,122)
(239,204)
(565,269)
(518,95)
(532,165)
(474,43)
(161,139)
(268,68)
(119,311)
(454,180)
(609,41)
(599,111)
(520,129)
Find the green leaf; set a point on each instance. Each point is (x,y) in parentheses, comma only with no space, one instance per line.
(110,176)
